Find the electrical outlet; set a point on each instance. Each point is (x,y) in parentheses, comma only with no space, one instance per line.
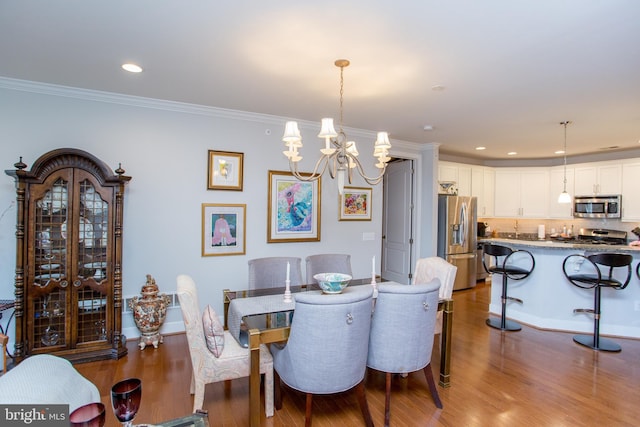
(636,305)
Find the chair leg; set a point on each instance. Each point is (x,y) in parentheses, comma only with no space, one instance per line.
(3,348)
(387,400)
(364,407)
(198,397)
(428,373)
(595,342)
(277,390)
(268,391)
(504,324)
(307,413)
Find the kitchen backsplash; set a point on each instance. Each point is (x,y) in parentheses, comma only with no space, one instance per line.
(506,226)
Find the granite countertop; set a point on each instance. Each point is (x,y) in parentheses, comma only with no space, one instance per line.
(550,243)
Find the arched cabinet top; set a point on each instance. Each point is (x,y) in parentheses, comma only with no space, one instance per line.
(68,158)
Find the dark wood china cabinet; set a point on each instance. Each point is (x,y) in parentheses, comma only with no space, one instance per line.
(68,282)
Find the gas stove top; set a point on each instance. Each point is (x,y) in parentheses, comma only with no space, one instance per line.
(601,236)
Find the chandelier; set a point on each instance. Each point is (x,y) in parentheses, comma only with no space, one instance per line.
(565,197)
(339,155)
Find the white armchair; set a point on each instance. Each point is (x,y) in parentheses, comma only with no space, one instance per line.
(46,379)
(232,363)
(435,267)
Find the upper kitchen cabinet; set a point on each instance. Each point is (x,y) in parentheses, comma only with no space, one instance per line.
(458,173)
(601,178)
(522,192)
(482,187)
(630,200)
(556,186)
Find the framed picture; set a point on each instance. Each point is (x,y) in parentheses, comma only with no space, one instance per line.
(355,204)
(223,229)
(225,170)
(294,208)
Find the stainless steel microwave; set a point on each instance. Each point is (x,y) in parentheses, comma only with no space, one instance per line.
(597,206)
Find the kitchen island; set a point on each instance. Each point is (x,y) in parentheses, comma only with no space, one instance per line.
(549,298)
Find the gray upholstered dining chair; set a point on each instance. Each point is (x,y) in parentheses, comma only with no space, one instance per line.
(401,338)
(271,272)
(327,263)
(326,351)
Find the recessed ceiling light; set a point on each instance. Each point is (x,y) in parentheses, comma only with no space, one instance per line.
(132,68)
(512,153)
(427,127)
(481,148)
(437,88)
(560,152)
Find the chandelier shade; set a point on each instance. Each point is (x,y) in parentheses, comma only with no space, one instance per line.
(339,155)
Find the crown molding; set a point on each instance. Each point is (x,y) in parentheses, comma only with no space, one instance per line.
(133,101)
(173,106)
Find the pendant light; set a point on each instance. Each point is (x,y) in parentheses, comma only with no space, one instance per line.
(565,197)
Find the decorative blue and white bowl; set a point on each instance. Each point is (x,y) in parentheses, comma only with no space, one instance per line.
(332,283)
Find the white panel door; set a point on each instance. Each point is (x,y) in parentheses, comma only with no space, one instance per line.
(397,233)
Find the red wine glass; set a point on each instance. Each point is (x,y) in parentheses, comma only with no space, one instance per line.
(89,415)
(125,399)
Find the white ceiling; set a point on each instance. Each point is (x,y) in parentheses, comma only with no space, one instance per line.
(511,70)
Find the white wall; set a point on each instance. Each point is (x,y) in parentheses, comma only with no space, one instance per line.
(163,147)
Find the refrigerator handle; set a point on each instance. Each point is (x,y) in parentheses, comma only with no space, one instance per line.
(463,224)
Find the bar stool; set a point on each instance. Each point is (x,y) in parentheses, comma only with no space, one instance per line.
(501,262)
(594,279)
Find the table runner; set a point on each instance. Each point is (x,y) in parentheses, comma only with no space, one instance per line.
(240,307)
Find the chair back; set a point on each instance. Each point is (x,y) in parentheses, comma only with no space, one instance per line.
(327,263)
(435,267)
(190,308)
(271,272)
(585,271)
(515,264)
(402,328)
(327,349)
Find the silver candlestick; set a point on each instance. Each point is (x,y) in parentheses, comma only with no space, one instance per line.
(287,291)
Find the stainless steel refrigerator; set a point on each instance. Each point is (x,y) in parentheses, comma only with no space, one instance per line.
(457,236)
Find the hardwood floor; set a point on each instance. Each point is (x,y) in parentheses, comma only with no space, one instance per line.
(527,378)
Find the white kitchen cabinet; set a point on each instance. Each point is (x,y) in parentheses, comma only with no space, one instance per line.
(522,192)
(458,173)
(556,186)
(630,197)
(601,179)
(482,187)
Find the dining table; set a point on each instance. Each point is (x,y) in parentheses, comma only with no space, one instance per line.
(262,316)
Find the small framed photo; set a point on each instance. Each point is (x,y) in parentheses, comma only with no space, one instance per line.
(223,229)
(225,170)
(355,204)
(294,208)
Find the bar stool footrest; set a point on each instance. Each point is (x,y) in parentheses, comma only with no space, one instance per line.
(584,310)
(604,344)
(515,299)
(509,325)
